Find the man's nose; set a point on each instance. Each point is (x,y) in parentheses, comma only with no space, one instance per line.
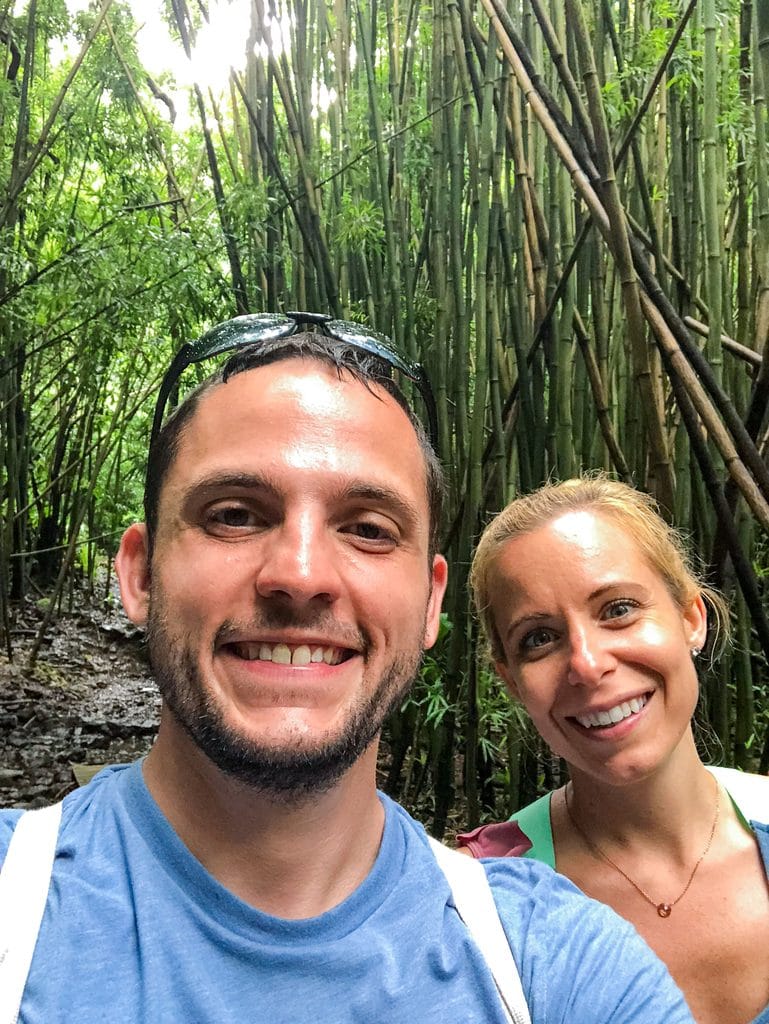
(299,563)
(589,656)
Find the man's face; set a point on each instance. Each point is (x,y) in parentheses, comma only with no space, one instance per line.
(289,596)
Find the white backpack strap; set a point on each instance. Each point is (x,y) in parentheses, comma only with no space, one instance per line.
(749,792)
(24,882)
(475,905)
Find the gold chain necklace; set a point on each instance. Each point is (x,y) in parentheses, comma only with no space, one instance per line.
(663,909)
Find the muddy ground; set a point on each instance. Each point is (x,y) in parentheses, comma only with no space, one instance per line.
(89,700)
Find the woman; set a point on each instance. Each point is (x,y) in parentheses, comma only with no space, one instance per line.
(595,620)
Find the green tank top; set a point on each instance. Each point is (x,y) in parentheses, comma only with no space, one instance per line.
(534,822)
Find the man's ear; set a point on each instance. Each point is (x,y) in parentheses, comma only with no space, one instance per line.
(505,675)
(133,572)
(440,576)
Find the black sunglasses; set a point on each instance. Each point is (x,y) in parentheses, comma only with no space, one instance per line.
(253,328)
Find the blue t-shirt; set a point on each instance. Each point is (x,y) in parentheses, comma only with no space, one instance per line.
(136,931)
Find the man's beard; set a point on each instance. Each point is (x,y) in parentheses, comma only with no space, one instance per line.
(287,773)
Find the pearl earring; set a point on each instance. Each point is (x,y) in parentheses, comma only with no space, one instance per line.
(696,651)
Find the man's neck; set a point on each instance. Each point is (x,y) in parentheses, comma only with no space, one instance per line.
(292,860)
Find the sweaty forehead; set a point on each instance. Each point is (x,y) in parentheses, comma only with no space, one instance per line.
(309,391)
(302,414)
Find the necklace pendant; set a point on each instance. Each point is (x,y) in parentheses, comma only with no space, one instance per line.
(664,909)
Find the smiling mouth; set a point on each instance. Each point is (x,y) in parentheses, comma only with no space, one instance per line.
(291,654)
(602,719)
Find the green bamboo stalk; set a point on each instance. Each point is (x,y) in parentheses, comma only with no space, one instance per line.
(391,315)
(712,187)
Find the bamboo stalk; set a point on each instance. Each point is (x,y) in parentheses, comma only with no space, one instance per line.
(654,414)
(707,413)
(712,187)
(600,400)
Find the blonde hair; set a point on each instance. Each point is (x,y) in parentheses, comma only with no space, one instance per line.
(635,512)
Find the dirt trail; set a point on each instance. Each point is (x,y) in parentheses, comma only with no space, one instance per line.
(90,699)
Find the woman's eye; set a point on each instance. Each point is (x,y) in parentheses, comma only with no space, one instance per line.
(618,609)
(536,639)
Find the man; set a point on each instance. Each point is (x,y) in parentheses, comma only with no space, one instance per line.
(248,870)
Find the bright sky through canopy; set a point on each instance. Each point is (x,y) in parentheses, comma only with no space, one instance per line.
(220,45)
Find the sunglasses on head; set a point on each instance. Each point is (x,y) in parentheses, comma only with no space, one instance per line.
(255,328)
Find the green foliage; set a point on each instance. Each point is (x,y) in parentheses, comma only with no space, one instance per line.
(359,224)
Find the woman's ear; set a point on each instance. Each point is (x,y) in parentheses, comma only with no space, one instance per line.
(133,572)
(696,623)
(504,674)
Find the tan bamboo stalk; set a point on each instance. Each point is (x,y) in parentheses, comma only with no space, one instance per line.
(600,400)
(440,238)
(748,355)
(536,269)
(462,143)
(482,203)
(710,419)
(399,66)
(555,45)
(651,399)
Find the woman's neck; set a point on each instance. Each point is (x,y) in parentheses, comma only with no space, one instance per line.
(660,808)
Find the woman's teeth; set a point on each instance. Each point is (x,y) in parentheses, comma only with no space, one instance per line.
(613,715)
(283,654)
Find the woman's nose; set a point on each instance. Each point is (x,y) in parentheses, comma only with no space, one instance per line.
(589,657)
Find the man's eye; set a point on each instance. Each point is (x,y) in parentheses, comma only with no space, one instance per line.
(374,532)
(231,517)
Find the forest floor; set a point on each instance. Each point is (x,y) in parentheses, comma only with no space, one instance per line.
(89,700)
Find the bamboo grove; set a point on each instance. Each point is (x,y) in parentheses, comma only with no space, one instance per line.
(560,207)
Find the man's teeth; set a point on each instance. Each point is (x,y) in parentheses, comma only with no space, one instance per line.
(613,715)
(283,654)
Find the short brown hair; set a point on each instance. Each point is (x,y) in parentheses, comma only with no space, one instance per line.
(364,367)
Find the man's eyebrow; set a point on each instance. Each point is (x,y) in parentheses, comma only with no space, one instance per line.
(361,490)
(356,490)
(229,481)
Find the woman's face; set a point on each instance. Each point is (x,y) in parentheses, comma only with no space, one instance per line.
(594,645)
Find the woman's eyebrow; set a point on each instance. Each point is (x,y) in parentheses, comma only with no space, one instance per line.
(532,617)
(612,585)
